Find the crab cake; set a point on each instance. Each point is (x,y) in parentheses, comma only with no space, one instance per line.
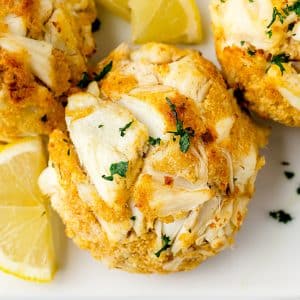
(43,51)
(258,46)
(158,163)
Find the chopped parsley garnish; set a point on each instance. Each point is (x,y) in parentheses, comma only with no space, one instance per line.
(269,33)
(289,175)
(68,152)
(100,125)
(96,25)
(154,141)
(281,216)
(242,43)
(165,245)
(185,134)
(86,80)
(276,14)
(123,129)
(294,8)
(279,60)
(281,16)
(133,218)
(251,52)
(104,71)
(119,168)
(298,190)
(285,163)
(44,118)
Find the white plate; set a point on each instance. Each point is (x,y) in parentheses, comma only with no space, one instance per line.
(265,260)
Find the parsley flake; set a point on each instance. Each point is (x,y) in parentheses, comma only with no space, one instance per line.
(289,175)
(279,60)
(281,216)
(294,8)
(269,33)
(104,71)
(251,52)
(119,168)
(123,129)
(154,141)
(86,80)
(185,134)
(165,245)
(276,14)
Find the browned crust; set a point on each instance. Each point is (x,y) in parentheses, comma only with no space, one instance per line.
(248,73)
(27,107)
(136,254)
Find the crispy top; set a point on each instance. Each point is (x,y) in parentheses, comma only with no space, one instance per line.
(191,159)
(258,45)
(43,51)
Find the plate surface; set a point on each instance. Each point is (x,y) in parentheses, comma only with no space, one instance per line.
(265,260)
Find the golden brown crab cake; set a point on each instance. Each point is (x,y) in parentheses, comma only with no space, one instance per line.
(43,50)
(66,25)
(158,164)
(258,46)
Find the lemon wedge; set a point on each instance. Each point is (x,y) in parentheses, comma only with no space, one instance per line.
(169,21)
(118,7)
(26,245)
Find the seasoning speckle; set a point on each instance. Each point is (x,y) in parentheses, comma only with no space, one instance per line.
(285,163)
(207,137)
(64,103)
(169,180)
(165,245)
(96,25)
(44,118)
